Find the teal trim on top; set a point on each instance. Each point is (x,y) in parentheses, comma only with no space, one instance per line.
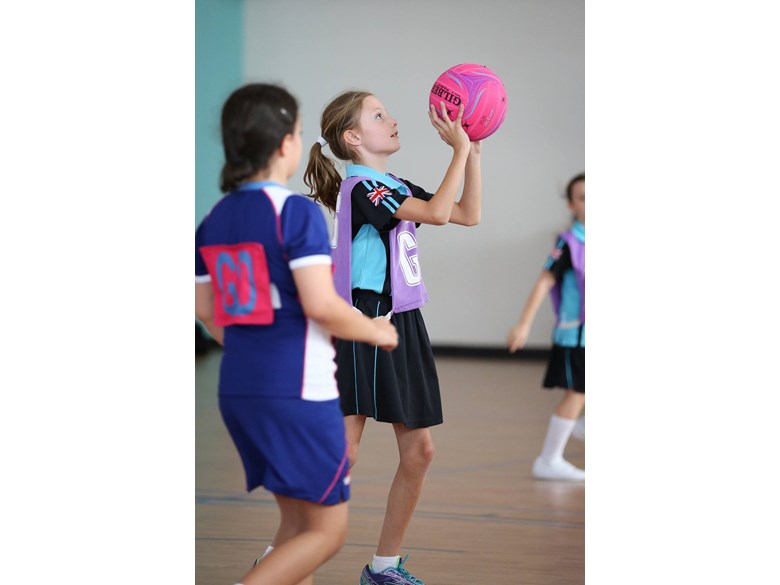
(219,69)
(568,313)
(369,260)
(569,310)
(578,229)
(364,171)
(550,260)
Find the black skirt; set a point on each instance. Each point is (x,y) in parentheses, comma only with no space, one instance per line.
(401,386)
(566,368)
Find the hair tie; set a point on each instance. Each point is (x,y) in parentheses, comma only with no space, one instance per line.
(322,141)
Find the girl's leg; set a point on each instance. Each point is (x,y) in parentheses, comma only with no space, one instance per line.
(550,464)
(415,447)
(289,527)
(293,523)
(314,534)
(571,405)
(579,428)
(354,424)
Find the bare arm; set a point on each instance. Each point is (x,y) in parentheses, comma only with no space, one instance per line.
(518,335)
(322,303)
(468,210)
(437,211)
(204,311)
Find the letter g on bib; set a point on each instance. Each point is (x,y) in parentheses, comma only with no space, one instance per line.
(408,258)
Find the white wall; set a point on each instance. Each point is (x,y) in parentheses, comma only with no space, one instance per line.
(478,278)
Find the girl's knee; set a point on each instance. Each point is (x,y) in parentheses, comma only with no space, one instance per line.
(576,398)
(335,532)
(420,456)
(427,451)
(339,535)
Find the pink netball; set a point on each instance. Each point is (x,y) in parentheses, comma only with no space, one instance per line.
(480,91)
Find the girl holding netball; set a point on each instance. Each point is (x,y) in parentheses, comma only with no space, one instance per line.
(378,270)
(264,290)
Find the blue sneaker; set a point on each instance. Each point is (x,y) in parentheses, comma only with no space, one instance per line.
(391,576)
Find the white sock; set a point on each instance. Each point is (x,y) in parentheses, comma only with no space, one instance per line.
(558,433)
(265,554)
(379,564)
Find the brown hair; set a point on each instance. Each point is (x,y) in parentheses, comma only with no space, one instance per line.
(255,119)
(321,176)
(572,182)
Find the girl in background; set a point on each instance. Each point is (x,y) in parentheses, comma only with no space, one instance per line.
(563,278)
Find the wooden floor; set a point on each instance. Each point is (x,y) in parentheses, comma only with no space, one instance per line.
(482,519)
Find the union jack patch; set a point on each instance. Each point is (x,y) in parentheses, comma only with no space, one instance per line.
(556,253)
(378,194)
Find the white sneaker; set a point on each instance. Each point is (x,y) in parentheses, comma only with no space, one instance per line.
(560,469)
(579,429)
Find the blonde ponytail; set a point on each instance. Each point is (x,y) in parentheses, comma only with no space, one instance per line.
(322,176)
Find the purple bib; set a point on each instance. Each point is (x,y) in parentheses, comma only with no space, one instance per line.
(406,284)
(577,250)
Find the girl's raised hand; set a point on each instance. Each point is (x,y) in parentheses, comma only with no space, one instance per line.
(450,131)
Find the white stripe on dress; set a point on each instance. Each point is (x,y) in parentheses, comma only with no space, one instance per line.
(319,365)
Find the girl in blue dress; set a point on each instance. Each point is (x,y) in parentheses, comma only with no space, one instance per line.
(264,290)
